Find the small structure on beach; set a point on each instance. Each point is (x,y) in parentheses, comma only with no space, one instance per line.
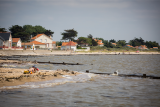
(5,40)
(69,46)
(16,42)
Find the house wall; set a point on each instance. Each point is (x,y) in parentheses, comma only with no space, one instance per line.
(63,48)
(19,43)
(41,46)
(10,41)
(6,43)
(45,39)
(72,47)
(1,42)
(54,46)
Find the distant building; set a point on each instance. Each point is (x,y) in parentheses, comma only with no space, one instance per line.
(5,40)
(54,44)
(43,39)
(129,46)
(114,44)
(16,42)
(69,46)
(99,42)
(40,41)
(142,47)
(155,47)
(33,45)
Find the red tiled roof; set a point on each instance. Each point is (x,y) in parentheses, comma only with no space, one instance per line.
(64,43)
(70,43)
(37,36)
(155,47)
(53,42)
(33,42)
(114,44)
(15,39)
(38,43)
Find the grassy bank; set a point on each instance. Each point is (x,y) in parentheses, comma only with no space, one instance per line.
(123,49)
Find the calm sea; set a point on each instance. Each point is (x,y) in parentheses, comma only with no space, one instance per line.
(98,91)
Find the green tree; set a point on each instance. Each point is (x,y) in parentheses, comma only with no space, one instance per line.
(100,39)
(121,43)
(49,33)
(29,29)
(90,36)
(151,44)
(18,32)
(69,34)
(112,40)
(84,40)
(94,43)
(108,44)
(137,42)
(39,29)
(3,30)
(59,43)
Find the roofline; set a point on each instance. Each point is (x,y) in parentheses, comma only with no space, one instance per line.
(41,35)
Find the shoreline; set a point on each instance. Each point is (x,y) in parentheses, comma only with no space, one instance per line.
(14,76)
(49,52)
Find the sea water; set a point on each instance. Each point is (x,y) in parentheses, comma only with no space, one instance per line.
(88,89)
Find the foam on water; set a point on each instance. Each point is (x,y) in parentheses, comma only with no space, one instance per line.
(83,77)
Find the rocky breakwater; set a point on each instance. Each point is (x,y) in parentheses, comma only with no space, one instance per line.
(12,76)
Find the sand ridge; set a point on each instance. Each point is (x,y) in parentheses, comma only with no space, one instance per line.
(13,76)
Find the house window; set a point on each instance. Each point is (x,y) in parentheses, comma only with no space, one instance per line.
(41,40)
(45,40)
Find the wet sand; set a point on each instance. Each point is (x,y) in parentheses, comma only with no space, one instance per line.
(14,76)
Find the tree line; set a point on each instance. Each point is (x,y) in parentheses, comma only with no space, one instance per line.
(71,34)
(26,32)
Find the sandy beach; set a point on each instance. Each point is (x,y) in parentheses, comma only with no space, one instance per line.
(14,76)
(60,52)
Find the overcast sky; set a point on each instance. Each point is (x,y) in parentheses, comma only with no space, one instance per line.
(107,19)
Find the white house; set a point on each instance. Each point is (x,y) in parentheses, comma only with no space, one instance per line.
(69,46)
(40,41)
(16,42)
(54,44)
(43,39)
(33,45)
(99,42)
(6,40)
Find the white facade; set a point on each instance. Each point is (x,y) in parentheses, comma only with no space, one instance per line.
(71,47)
(44,39)
(17,44)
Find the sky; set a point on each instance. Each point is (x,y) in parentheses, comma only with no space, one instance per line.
(107,19)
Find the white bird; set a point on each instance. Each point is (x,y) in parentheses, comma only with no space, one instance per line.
(115,73)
